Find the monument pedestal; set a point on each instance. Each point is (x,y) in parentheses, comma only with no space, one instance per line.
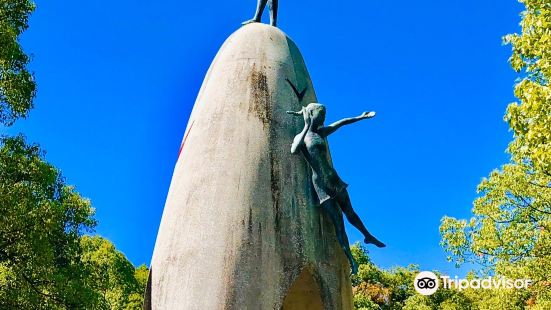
(241,228)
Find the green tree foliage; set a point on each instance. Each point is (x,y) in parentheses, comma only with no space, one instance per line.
(45,261)
(531,119)
(17,85)
(374,288)
(40,228)
(509,233)
(112,277)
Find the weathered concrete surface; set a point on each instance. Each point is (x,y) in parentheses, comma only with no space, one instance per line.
(240,225)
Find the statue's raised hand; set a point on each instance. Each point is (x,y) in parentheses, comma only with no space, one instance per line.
(304,114)
(297,113)
(368,114)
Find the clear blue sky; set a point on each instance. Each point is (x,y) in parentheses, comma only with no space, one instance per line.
(117,81)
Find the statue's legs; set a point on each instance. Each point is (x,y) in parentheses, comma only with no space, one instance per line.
(343,200)
(259,10)
(273,12)
(331,210)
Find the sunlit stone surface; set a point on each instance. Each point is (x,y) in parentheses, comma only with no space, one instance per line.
(240,228)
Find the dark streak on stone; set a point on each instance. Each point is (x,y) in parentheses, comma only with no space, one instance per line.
(261,107)
(260,101)
(250,228)
(274,186)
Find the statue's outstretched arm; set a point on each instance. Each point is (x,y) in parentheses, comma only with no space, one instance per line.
(325,131)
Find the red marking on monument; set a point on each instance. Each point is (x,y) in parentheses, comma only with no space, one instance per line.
(185,138)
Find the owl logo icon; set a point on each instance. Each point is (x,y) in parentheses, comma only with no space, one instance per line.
(426,283)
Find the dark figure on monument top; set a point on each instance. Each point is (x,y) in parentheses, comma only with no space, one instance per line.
(260,9)
(329,187)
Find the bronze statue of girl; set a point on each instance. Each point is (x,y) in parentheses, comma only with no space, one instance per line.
(330,189)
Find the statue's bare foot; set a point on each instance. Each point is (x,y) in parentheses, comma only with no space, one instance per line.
(374,241)
(250,21)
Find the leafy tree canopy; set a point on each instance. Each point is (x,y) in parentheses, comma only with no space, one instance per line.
(17,85)
(509,233)
(118,284)
(40,228)
(376,288)
(45,261)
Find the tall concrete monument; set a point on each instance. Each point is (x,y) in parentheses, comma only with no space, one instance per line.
(242,227)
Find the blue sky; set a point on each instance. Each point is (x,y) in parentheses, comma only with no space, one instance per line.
(117,81)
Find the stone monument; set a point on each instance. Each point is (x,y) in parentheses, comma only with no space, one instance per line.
(242,227)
